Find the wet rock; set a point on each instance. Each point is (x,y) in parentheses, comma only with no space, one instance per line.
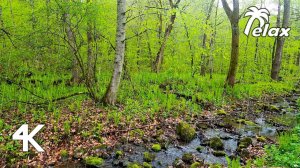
(148,157)
(244,143)
(188,158)
(261,139)
(199,148)
(178,163)
(196,165)
(201,126)
(93,161)
(216,143)
(156,147)
(185,131)
(219,153)
(119,154)
(147,165)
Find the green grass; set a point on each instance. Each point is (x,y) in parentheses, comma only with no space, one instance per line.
(287,152)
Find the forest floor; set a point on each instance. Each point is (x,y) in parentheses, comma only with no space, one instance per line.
(244,127)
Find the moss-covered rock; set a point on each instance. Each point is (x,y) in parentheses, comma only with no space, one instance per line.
(221,112)
(219,153)
(93,161)
(188,158)
(119,154)
(261,139)
(185,132)
(216,143)
(196,165)
(246,122)
(199,148)
(244,143)
(133,165)
(148,157)
(156,147)
(147,165)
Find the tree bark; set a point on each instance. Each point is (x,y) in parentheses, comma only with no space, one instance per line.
(73,48)
(204,56)
(91,61)
(233,16)
(111,93)
(276,62)
(168,30)
(277,25)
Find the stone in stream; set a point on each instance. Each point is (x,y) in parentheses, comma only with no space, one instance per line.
(148,157)
(93,161)
(216,143)
(219,153)
(156,147)
(196,165)
(185,132)
(188,158)
(244,143)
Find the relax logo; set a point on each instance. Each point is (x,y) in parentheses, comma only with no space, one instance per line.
(262,15)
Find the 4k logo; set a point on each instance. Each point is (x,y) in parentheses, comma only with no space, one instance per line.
(262,15)
(22,134)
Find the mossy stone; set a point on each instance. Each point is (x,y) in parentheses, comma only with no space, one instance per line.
(185,132)
(196,165)
(244,143)
(147,165)
(93,161)
(219,153)
(188,158)
(221,112)
(148,157)
(156,147)
(261,139)
(133,165)
(119,154)
(199,148)
(216,143)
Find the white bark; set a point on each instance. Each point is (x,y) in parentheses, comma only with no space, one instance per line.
(111,93)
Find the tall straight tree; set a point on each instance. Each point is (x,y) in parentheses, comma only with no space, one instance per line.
(111,93)
(168,30)
(276,62)
(91,60)
(233,16)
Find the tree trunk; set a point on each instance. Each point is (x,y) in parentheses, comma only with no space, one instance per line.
(204,56)
(160,54)
(73,48)
(91,61)
(276,63)
(233,16)
(111,93)
(277,25)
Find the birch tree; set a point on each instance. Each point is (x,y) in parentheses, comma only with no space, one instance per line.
(111,93)
(233,16)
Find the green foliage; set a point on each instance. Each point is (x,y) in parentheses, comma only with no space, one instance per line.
(67,127)
(234,163)
(286,154)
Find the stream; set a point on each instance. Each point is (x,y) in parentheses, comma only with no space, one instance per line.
(287,110)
